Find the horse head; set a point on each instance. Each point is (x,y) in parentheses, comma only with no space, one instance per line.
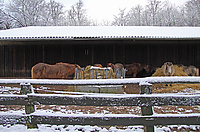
(147,68)
(168,69)
(98,65)
(77,66)
(110,65)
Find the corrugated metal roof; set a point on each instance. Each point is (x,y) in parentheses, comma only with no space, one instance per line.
(99,32)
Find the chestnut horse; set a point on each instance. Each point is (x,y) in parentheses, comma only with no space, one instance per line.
(134,68)
(98,65)
(57,71)
(115,66)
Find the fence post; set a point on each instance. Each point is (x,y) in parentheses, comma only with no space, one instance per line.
(146,88)
(30,108)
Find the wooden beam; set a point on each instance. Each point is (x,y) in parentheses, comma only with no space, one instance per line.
(116,100)
(115,119)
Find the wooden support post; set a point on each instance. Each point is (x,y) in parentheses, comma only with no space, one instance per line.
(30,108)
(146,88)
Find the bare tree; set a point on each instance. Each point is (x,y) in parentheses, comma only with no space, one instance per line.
(26,12)
(152,9)
(191,13)
(1,14)
(121,19)
(106,23)
(135,16)
(170,15)
(53,14)
(77,15)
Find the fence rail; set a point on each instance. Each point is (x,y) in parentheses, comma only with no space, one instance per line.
(145,100)
(104,100)
(129,81)
(101,120)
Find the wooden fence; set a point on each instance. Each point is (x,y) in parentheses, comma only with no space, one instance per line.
(145,100)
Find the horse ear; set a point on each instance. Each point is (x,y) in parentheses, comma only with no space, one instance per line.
(164,68)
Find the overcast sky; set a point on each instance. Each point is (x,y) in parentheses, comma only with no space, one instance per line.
(100,10)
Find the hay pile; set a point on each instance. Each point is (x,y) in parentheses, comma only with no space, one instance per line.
(178,72)
(175,88)
(88,74)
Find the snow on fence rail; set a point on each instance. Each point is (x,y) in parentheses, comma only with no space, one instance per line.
(145,100)
(129,81)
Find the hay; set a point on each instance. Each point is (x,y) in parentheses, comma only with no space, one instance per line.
(162,88)
(96,74)
(175,88)
(178,72)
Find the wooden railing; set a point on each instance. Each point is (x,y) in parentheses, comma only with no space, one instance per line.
(145,100)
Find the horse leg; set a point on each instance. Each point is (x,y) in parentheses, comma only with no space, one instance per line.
(169,85)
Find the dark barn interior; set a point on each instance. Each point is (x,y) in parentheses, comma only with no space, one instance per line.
(18,56)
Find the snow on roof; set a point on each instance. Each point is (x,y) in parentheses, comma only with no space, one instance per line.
(100,32)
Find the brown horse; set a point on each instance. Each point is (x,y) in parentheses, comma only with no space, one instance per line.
(98,65)
(115,66)
(57,71)
(110,65)
(134,68)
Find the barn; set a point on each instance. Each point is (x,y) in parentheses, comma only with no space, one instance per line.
(21,48)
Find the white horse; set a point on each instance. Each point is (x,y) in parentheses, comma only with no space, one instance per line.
(168,69)
(190,70)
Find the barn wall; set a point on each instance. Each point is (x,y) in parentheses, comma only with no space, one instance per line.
(2,61)
(17,58)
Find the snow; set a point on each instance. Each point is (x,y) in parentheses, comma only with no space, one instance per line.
(99,32)
(144,83)
(70,128)
(151,80)
(46,127)
(99,68)
(110,95)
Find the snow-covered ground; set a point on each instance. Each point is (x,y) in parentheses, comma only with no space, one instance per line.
(63,128)
(78,128)
(53,109)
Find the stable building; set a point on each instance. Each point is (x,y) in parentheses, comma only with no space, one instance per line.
(21,48)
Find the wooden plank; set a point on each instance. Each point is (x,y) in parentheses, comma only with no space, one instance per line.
(95,100)
(2,61)
(8,61)
(13,99)
(115,119)
(19,69)
(116,100)
(13,119)
(101,120)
